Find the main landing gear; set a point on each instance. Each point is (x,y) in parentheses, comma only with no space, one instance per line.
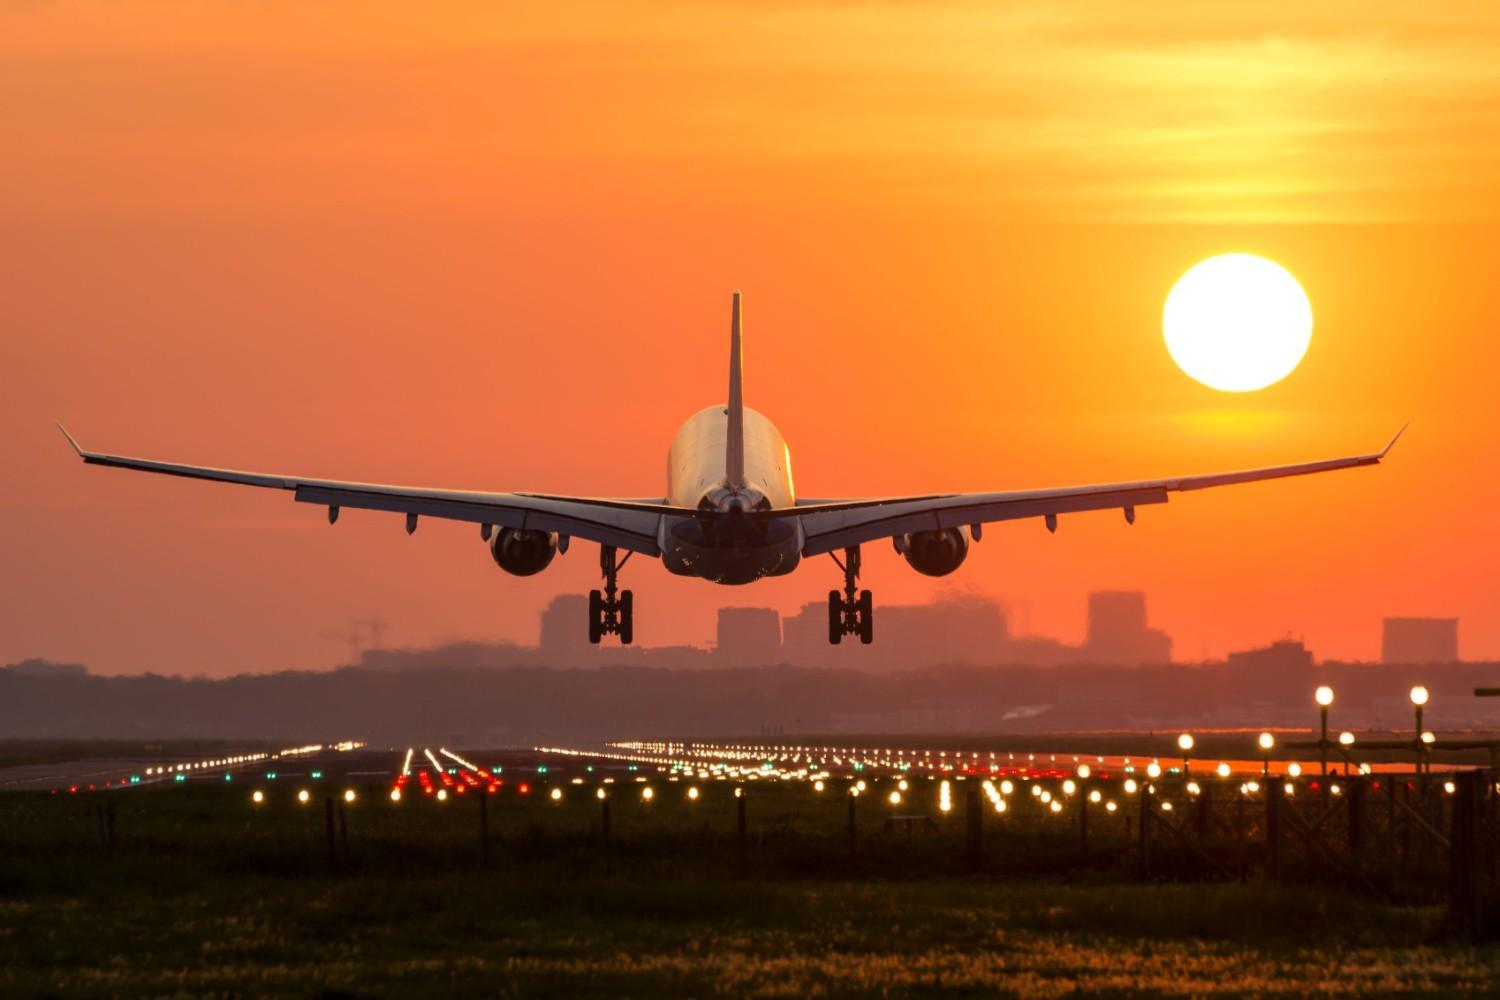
(612,612)
(852,612)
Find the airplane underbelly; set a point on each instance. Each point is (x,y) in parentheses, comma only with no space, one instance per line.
(730,550)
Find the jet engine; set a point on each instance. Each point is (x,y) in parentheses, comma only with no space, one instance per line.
(522,552)
(934,553)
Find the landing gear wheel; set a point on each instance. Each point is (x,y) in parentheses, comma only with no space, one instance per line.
(610,614)
(596,616)
(627,617)
(852,611)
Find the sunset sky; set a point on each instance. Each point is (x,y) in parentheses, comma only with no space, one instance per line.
(491,247)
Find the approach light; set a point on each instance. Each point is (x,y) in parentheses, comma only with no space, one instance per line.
(1266,741)
(1069,787)
(1323,695)
(647,793)
(442,795)
(1294,770)
(1428,737)
(395,795)
(1346,738)
(1006,787)
(1153,770)
(1095,795)
(1222,770)
(1110,806)
(303,796)
(257,796)
(1193,788)
(692,794)
(1449,787)
(1130,786)
(894,798)
(1419,695)
(818,785)
(601,793)
(1185,742)
(1084,771)
(348,795)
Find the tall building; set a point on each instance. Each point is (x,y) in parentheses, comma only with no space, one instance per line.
(1419,640)
(1118,633)
(565,625)
(749,637)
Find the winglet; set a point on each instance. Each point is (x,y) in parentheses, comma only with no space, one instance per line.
(734,450)
(1397,437)
(70,438)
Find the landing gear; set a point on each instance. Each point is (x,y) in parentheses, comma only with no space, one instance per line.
(851,612)
(611,612)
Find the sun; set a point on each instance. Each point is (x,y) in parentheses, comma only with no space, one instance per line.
(1237,322)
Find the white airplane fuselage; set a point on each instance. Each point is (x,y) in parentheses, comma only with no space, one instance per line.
(729,550)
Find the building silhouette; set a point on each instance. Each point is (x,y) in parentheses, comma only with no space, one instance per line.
(1118,633)
(1419,640)
(565,626)
(749,637)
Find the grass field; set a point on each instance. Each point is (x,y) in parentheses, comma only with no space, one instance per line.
(204,894)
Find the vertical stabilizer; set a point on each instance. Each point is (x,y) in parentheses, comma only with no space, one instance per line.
(734,456)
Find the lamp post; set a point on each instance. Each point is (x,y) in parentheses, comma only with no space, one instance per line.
(1266,742)
(1324,697)
(1418,699)
(1346,740)
(1185,744)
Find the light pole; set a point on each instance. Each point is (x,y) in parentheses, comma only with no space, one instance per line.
(1267,742)
(1185,744)
(1324,697)
(1346,740)
(1418,699)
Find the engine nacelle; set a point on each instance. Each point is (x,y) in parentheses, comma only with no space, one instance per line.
(522,552)
(934,553)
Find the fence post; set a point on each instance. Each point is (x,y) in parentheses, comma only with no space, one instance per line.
(333,857)
(1205,810)
(739,808)
(852,828)
(1083,817)
(974,820)
(1463,867)
(1356,807)
(1275,793)
(1145,831)
(484,827)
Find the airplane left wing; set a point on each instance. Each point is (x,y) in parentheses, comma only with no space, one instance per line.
(830,525)
(625,524)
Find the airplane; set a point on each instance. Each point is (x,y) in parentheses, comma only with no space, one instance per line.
(730,514)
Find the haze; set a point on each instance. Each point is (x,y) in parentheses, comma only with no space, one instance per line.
(493,249)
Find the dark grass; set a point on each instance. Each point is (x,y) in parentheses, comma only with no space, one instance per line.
(202,894)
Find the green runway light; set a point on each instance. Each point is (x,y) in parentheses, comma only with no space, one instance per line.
(228,777)
(630,768)
(542,769)
(317,774)
(591,768)
(180,777)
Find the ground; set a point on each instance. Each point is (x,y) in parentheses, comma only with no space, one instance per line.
(204,894)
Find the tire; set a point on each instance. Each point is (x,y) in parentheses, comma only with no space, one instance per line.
(596,616)
(866,617)
(835,617)
(626,615)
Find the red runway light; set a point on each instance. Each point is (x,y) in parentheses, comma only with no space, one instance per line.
(523,788)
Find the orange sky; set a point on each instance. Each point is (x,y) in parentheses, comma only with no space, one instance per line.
(493,249)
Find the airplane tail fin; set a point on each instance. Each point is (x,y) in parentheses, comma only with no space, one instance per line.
(734,457)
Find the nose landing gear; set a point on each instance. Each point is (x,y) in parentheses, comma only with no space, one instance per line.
(613,611)
(852,612)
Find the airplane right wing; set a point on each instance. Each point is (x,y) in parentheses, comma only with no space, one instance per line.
(829,525)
